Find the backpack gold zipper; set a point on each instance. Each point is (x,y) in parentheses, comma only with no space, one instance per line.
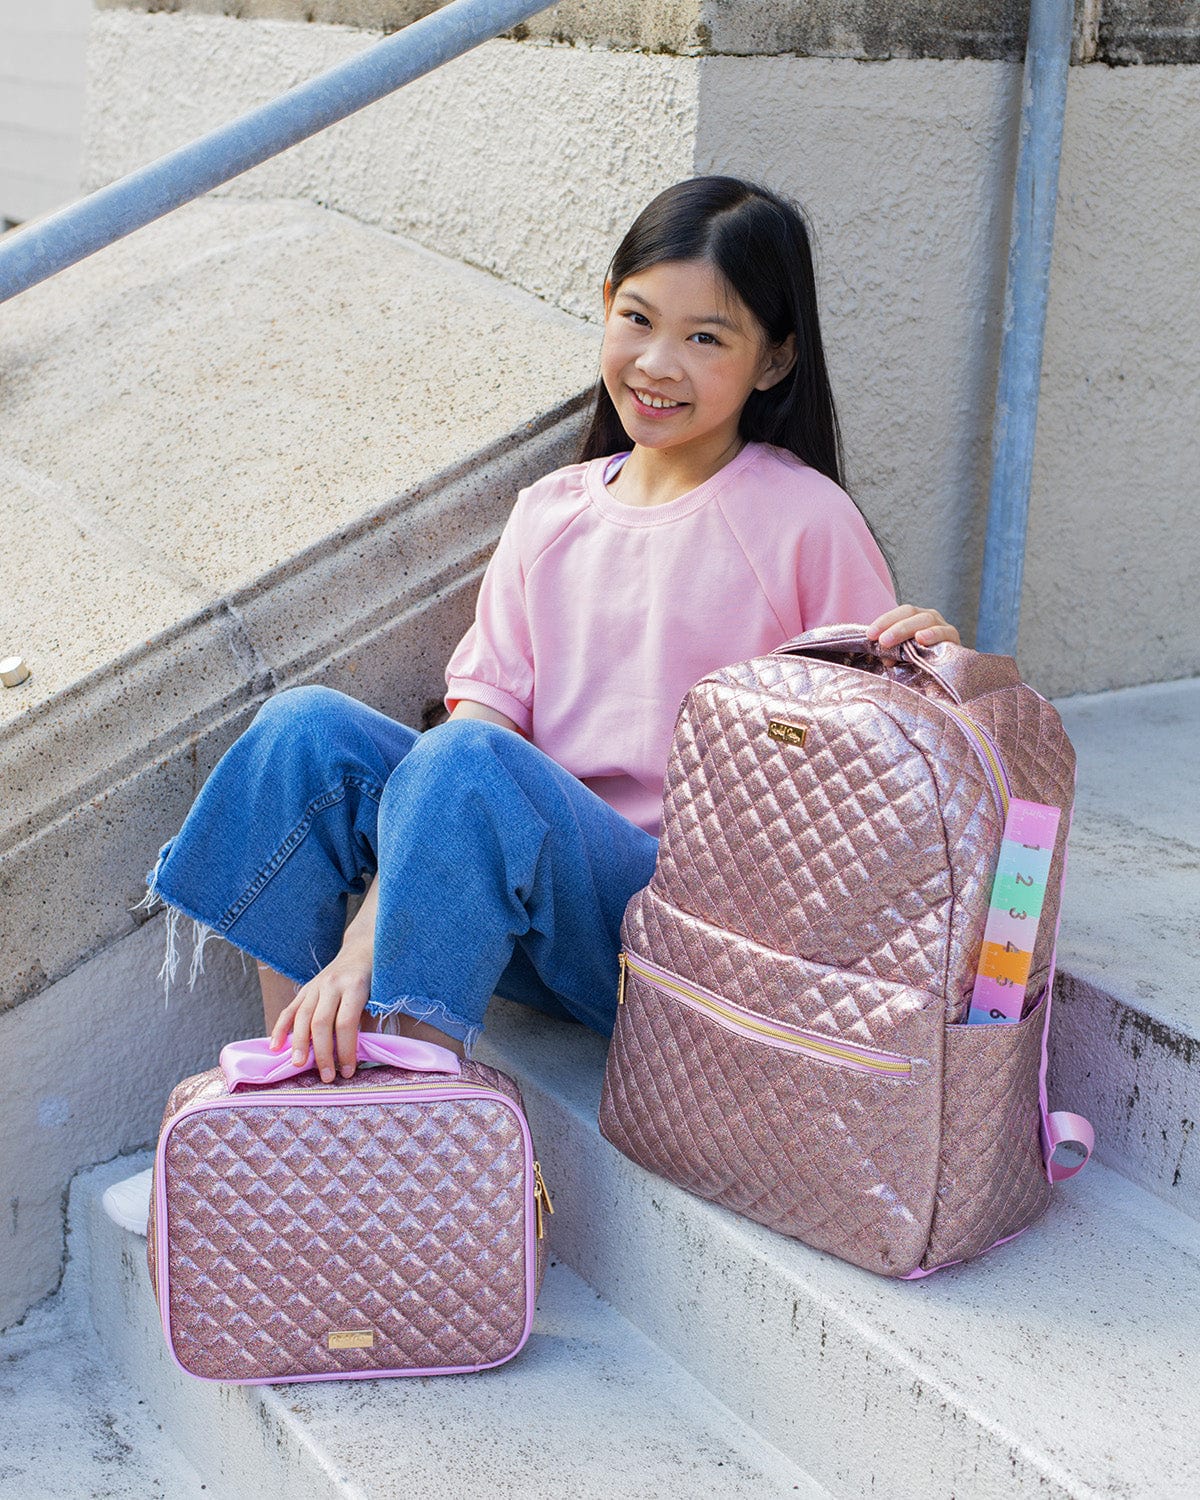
(839,1053)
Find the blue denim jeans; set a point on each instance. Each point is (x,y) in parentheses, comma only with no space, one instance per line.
(498,870)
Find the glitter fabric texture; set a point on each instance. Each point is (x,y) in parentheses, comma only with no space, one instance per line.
(840,886)
(381,1225)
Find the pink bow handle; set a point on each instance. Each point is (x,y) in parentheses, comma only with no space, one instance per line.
(1062,1126)
(251,1062)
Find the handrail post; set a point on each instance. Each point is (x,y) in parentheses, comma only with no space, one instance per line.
(1026,293)
(49,245)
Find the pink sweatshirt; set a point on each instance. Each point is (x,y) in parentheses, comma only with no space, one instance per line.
(595,617)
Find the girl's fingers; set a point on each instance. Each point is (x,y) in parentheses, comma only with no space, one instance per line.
(321,1028)
(283,1025)
(327,1018)
(349,1019)
(926,626)
(936,634)
(876,628)
(302,1008)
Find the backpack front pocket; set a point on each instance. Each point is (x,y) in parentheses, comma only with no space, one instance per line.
(742,1022)
(993,1180)
(803,1128)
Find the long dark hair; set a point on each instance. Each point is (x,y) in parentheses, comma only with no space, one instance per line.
(759,243)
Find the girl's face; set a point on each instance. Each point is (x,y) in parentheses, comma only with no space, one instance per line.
(681,354)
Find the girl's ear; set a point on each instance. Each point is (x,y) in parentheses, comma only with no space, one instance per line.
(608,294)
(779,361)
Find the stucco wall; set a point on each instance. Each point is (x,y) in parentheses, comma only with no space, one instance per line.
(529,160)
(517,159)
(907,168)
(90,1067)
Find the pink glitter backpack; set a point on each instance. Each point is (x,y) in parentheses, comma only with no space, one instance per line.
(792,1040)
(387,1224)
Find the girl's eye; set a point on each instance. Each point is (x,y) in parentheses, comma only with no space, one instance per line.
(706,338)
(640,319)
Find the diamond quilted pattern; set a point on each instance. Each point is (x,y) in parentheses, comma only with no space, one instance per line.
(844,1162)
(840,886)
(290,1221)
(774,985)
(838,852)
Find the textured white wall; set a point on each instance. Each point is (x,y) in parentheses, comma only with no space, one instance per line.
(907,168)
(903,169)
(42,70)
(1114,543)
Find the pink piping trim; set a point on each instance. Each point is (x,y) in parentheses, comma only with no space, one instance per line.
(357,1096)
(1059,1125)
(919,1274)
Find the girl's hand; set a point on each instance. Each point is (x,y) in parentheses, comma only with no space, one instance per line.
(328,1012)
(907,622)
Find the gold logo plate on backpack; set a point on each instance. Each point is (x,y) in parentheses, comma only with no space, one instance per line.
(790,734)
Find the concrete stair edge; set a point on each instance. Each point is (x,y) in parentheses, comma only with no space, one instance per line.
(336,615)
(875,1386)
(1134,1078)
(1126,1028)
(590,1408)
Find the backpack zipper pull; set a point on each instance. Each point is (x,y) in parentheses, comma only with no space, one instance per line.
(622,963)
(540,1196)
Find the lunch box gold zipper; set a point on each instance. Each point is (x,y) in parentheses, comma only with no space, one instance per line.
(541,1196)
(841,1054)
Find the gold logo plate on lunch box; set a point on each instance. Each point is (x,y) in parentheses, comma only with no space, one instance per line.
(351,1338)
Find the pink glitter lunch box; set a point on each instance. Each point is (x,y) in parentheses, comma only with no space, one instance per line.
(387,1224)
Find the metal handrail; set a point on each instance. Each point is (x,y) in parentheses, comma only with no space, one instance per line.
(1026,293)
(41,249)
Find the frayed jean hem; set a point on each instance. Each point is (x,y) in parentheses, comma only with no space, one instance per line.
(420,1008)
(202,931)
(417,1007)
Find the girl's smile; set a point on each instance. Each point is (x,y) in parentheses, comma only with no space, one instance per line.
(651,405)
(681,355)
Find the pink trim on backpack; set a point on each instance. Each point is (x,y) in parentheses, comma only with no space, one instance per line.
(1059,1126)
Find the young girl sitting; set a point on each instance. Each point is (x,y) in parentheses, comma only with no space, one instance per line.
(706,522)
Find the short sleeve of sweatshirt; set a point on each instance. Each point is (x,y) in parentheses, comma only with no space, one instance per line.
(841,575)
(493,663)
(811,550)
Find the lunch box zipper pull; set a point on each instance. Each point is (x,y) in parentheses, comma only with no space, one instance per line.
(541,1196)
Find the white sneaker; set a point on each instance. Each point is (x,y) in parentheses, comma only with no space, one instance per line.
(127,1203)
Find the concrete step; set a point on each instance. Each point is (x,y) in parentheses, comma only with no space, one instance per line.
(241,449)
(1055,1365)
(590,1409)
(1126,1031)
(72,1425)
